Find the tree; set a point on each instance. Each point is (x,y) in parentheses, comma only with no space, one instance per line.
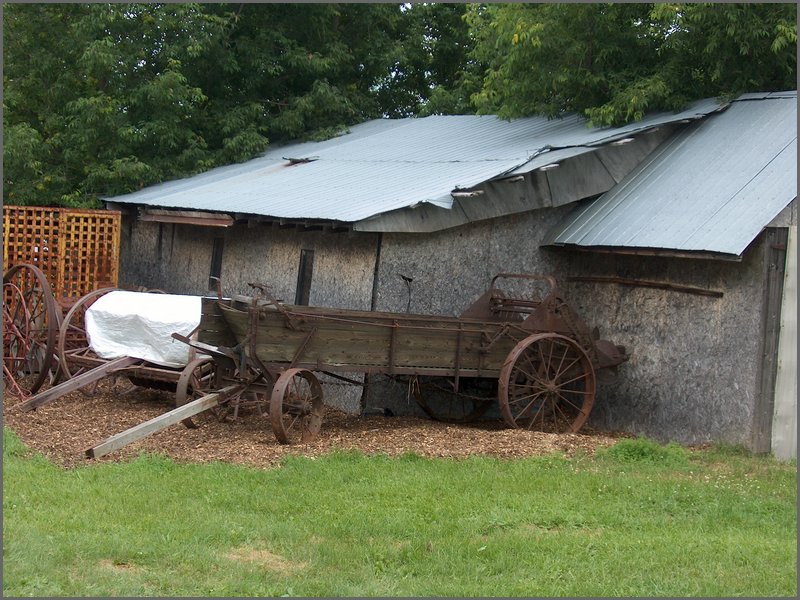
(614,62)
(305,69)
(102,99)
(97,98)
(428,63)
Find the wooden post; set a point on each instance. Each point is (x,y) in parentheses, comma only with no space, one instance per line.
(156,424)
(392,342)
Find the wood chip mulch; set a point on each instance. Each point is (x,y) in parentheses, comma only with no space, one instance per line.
(64,429)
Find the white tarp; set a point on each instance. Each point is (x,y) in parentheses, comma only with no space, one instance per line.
(141,325)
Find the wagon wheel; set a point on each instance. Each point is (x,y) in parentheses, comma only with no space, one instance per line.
(295,408)
(30,327)
(441,403)
(195,381)
(547,383)
(72,338)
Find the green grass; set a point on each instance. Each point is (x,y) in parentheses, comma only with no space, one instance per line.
(636,520)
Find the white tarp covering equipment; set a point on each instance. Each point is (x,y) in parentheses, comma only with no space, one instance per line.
(141,325)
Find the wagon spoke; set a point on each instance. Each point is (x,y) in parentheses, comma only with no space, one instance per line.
(529,421)
(516,398)
(291,422)
(566,401)
(561,369)
(195,381)
(582,375)
(530,376)
(549,362)
(557,408)
(536,398)
(534,419)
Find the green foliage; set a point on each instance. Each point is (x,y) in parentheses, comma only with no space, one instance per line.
(429,65)
(724,450)
(550,58)
(615,62)
(106,92)
(349,525)
(643,450)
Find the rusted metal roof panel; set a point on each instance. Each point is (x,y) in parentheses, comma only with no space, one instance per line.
(710,188)
(386,165)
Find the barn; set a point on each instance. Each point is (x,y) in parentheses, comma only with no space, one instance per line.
(671,234)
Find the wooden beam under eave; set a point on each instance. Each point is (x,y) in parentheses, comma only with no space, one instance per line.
(213,221)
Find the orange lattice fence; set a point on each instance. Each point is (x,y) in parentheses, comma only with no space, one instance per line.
(76,249)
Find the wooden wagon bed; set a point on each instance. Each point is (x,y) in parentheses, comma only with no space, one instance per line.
(361,341)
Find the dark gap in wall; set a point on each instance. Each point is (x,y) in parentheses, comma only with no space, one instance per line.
(160,245)
(304,274)
(376,271)
(216,262)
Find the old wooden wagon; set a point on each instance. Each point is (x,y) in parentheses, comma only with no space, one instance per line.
(531,354)
(535,354)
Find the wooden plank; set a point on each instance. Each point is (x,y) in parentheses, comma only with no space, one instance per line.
(372,344)
(784,424)
(359,338)
(213,328)
(77,382)
(209,349)
(312,313)
(774,265)
(156,424)
(410,347)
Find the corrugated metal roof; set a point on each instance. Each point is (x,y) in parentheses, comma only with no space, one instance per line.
(710,188)
(385,165)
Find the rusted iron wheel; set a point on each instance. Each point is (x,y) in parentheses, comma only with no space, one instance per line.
(295,408)
(72,338)
(437,398)
(547,383)
(196,380)
(30,327)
